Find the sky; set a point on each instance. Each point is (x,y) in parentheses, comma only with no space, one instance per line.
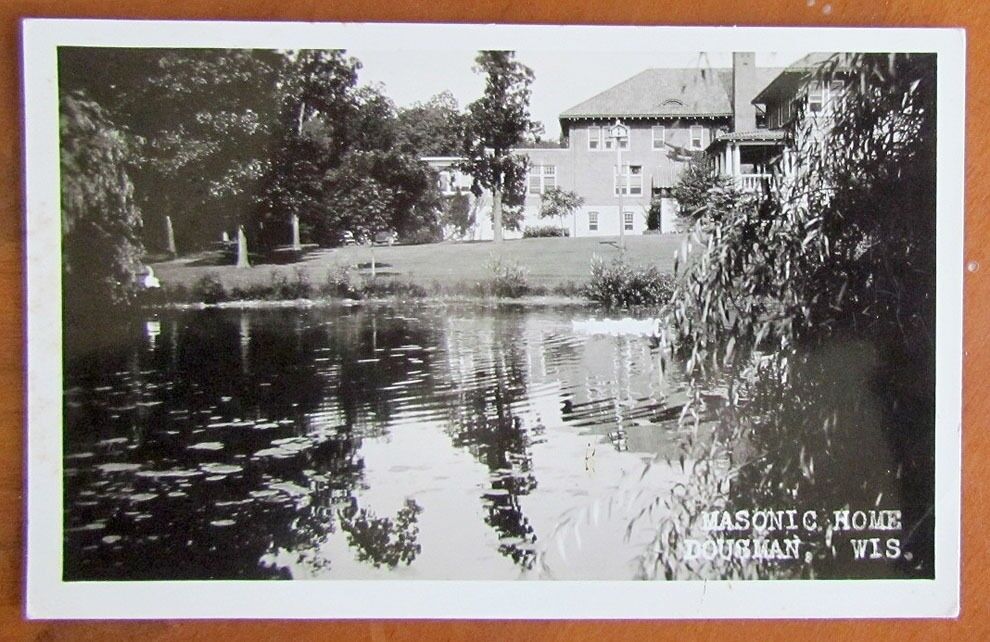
(562,78)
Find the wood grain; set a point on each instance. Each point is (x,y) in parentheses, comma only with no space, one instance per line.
(975,17)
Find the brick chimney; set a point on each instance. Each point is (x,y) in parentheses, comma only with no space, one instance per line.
(744,90)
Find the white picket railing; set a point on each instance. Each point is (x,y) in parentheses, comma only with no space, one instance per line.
(752,182)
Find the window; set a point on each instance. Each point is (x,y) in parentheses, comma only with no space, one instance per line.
(594,137)
(593,221)
(541,178)
(816,97)
(549,177)
(659,136)
(630,181)
(627,221)
(697,136)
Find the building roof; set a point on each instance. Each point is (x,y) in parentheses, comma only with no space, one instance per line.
(666,93)
(756,135)
(790,80)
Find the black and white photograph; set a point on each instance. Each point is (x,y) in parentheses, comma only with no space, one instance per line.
(500,321)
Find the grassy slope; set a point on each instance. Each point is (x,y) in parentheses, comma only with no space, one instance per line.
(550,261)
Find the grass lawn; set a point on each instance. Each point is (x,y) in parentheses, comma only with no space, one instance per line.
(551,261)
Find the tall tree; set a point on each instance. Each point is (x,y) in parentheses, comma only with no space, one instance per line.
(433,128)
(101,223)
(496,123)
(338,166)
(204,118)
(316,115)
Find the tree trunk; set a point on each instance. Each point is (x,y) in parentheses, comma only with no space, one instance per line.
(296,243)
(497,214)
(242,249)
(169,236)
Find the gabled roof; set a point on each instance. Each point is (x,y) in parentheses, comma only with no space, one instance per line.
(666,93)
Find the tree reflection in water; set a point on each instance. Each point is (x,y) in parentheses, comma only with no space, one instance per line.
(381,540)
(233,444)
(483,422)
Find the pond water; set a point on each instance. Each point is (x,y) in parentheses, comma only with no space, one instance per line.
(391,441)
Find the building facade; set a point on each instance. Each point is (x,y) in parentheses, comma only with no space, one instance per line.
(732,117)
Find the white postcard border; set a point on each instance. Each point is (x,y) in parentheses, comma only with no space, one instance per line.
(47,596)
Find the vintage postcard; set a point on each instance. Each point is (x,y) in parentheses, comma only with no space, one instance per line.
(492,321)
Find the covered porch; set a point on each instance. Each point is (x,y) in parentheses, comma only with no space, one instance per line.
(748,157)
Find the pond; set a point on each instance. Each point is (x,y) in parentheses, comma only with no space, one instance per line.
(392,441)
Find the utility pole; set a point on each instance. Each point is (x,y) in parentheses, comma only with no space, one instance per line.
(620,133)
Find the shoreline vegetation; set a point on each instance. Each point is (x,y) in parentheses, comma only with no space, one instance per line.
(546,272)
(325,302)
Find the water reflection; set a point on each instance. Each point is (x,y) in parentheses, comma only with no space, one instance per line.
(360,442)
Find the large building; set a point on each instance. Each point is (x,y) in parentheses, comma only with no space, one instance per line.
(735,116)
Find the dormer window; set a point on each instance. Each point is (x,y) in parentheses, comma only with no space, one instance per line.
(672,102)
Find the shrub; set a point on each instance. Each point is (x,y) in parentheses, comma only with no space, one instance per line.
(509,279)
(338,283)
(545,231)
(209,289)
(390,288)
(616,284)
(654,218)
(569,289)
(285,288)
(694,186)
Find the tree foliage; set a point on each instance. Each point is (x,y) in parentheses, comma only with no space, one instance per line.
(338,166)
(693,188)
(101,223)
(810,315)
(433,128)
(250,137)
(459,213)
(496,123)
(559,203)
(318,103)
(204,119)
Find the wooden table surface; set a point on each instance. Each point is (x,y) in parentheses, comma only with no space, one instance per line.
(972,15)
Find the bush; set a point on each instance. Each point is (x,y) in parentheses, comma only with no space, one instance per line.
(285,288)
(338,283)
(209,289)
(509,280)
(569,289)
(545,231)
(694,186)
(389,288)
(616,284)
(654,218)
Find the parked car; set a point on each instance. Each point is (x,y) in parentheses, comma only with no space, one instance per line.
(387,237)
